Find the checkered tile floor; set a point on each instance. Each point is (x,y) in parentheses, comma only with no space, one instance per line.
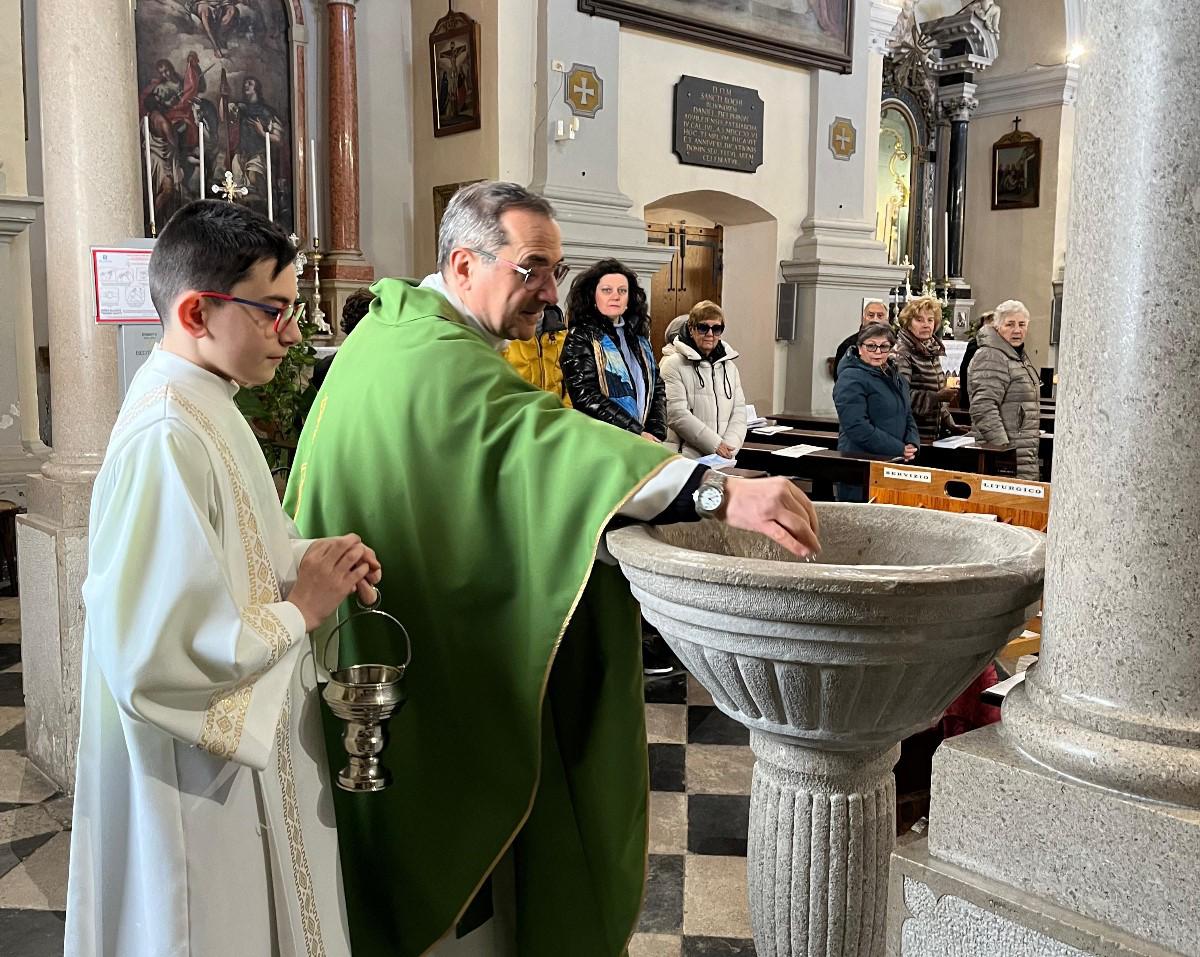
(700,766)
(34,821)
(696,902)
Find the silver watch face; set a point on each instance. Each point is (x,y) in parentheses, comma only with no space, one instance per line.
(710,499)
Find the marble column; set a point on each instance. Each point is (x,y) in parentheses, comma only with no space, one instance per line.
(836,260)
(344,268)
(1087,798)
(93,197)
(958,103)
(822,827)
(580,176)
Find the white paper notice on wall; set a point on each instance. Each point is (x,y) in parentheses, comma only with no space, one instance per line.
(122,281)
(907,475)
(1013,488)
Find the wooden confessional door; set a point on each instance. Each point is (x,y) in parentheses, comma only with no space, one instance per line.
(693,274)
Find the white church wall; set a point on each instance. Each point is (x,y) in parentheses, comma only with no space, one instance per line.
(385,118)
(1014,253)
(463,156)
(651,65)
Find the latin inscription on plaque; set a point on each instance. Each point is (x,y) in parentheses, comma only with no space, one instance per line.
(718,125)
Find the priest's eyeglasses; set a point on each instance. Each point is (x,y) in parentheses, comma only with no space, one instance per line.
(538,274)
(280,315)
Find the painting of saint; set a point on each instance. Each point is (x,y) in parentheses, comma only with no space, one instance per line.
(809,32)
(215,73)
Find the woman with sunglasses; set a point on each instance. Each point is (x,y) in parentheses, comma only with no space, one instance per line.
(706,410)
(607,361)
(873,405)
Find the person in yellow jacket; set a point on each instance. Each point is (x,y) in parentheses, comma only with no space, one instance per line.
(536,360)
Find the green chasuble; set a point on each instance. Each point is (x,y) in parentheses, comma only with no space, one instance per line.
(485,500)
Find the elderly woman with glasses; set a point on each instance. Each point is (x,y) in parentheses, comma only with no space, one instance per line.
(706,410)
(607,361)
(873,405)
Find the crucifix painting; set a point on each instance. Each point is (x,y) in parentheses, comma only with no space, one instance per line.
(454,74)
(215,97)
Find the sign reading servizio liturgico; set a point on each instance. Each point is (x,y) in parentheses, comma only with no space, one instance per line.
(718,125)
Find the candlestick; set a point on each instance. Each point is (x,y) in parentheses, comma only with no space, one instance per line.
(149,174)
(318,314)
(314,222)
(270,182)
(200,127)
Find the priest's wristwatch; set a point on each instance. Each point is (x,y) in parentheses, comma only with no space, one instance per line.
(711,497)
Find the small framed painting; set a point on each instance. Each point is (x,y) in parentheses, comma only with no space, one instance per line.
(454,73)
(1016,171)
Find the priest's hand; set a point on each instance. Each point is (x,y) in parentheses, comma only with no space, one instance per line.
(777,509)
(331,569)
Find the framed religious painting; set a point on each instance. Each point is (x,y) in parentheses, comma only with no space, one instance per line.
(816,33)
(215,105)
(1016,171)
(441,199)
(454,74)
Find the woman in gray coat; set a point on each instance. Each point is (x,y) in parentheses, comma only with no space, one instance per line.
(1005,387)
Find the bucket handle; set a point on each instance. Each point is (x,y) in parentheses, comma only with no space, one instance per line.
(366,610)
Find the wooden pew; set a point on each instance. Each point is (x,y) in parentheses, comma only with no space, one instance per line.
(985,459)
(822,469)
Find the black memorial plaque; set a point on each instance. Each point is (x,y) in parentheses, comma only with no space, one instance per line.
(718,125)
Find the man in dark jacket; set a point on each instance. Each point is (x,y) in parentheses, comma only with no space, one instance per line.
(873,311)
(964,396)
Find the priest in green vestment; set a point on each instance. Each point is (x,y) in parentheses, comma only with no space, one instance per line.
(521,751)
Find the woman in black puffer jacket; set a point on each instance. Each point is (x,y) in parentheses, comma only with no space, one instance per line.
(607,362)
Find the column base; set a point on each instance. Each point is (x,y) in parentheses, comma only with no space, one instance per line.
(822,828)
(1104,855)
(52,556)
(936,909)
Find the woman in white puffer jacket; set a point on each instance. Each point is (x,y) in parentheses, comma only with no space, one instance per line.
(706,410)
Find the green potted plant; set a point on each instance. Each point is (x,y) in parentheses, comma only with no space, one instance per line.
(276,411)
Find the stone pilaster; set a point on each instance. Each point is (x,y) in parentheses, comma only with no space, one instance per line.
(93,197)
(958,102)
(580,176)
(822,828)
(1088,794)
(836,258)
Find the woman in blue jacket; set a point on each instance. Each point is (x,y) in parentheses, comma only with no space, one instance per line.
(873,404)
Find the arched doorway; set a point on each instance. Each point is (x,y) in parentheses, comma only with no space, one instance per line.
(725,250)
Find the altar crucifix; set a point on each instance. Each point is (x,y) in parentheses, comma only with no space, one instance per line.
(228,189)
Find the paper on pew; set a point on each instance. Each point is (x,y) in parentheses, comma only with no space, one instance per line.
(715,461)
(954,442)
(1001,689)
(798,451)
(770,429)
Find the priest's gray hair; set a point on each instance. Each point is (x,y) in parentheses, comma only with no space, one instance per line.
(472,218)
(1010,307)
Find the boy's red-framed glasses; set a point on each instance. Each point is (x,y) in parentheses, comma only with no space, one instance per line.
(280,315)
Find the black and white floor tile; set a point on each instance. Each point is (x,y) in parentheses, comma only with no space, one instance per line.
(700,765)
(34,821)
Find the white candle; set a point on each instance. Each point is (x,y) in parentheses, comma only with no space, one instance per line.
(149,174)
(270,187)
(202,183)
(946,248)
(313,229)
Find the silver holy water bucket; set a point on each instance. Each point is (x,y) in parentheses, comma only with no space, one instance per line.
(365,696)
